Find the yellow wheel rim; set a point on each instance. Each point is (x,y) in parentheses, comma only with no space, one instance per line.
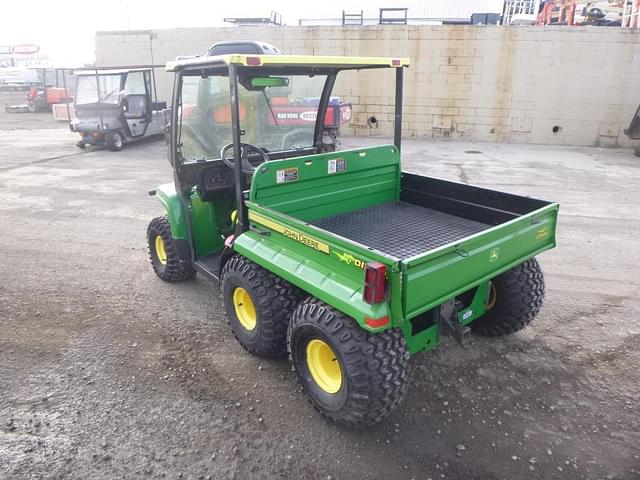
(324,366)
(160,251)
(493,296)
(244,308)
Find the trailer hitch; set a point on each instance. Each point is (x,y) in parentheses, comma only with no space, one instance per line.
(449,324)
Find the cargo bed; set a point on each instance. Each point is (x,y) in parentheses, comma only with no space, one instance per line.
(400,229)
(437,239)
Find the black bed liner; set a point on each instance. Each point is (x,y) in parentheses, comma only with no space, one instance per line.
(400,229)
(431,213)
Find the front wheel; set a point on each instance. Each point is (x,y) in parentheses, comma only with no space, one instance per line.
(352,377)
(515,299)
(163,252)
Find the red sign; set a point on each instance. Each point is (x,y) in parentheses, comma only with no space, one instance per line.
(26,49)
(306,115)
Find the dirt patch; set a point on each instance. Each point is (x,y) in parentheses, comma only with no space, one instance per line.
(107,372)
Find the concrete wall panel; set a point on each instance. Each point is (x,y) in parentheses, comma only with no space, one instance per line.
(472,83)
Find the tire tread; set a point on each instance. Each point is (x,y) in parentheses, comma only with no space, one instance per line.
(524,287)
(174,271)
(377,364)
(277,298)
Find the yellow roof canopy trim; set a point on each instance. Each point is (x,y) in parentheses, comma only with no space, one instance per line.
(319,61)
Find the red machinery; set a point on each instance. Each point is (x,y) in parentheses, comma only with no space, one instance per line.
(557,12)
(305,113)
(603,13)
(54,85)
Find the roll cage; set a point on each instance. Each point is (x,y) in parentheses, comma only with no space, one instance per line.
(233,66)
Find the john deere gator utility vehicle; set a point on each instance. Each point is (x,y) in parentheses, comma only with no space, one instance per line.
(339,258)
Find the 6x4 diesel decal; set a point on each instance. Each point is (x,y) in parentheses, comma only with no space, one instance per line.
(350,259)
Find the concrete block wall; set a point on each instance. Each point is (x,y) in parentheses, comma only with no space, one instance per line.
(552,85)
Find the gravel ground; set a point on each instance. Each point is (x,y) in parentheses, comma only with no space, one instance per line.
(107,372)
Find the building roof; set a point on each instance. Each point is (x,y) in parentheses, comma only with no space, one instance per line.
(451,9)
(343,63)
(108,71)
(419,12)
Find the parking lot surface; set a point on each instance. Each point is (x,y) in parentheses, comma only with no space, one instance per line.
(107,372)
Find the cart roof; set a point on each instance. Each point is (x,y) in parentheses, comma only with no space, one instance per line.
(109,71)
(283,61)
(51,67)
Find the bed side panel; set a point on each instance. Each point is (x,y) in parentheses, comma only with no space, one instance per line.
(315,269)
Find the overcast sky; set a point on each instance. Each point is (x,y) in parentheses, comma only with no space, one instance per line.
(66,29)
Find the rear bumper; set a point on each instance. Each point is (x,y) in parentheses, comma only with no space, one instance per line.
(93,138)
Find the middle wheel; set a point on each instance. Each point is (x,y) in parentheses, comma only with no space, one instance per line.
(259,305)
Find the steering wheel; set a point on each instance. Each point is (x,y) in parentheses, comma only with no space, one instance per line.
(246,165)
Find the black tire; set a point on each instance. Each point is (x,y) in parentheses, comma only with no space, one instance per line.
(373,367)
(273,300)
(517,296)
(114,141)
(169,268)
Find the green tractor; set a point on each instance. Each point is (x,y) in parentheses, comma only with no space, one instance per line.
(338,258)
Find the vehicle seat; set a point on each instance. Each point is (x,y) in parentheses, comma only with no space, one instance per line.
(136,106)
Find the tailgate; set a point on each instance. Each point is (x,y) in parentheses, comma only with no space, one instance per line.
(432,278)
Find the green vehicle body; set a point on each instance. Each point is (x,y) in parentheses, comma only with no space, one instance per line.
(282,239)
(339,259)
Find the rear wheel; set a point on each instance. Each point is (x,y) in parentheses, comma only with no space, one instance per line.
(114,141)
(515,299)
(352,377)
(164,252)
(259,306)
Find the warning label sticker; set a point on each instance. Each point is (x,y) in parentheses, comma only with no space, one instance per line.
(337,165)
(287,175)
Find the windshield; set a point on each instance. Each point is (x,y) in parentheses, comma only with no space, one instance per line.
(109,91)
(277,117)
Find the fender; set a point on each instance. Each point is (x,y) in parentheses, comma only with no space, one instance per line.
(314,278)
(174,206)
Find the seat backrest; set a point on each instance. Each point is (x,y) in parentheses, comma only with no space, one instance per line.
(327,184)
(136,106)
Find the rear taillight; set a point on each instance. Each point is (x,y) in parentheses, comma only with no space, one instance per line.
(375,282)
